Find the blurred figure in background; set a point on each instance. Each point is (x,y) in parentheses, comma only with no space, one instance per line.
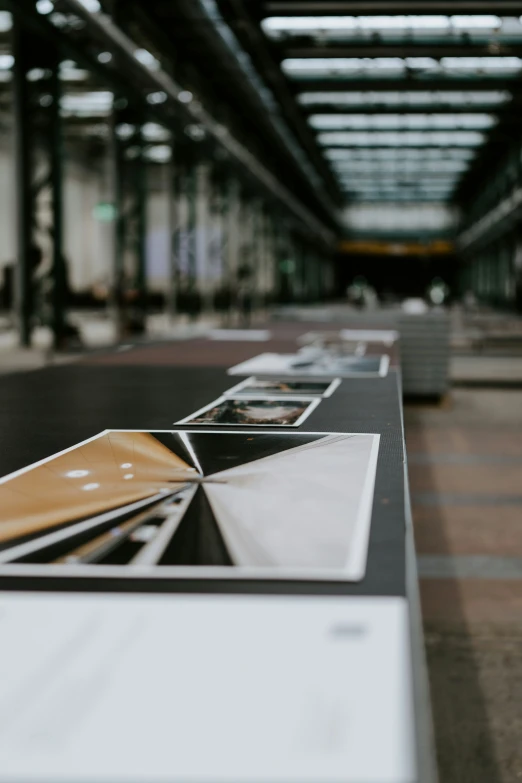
(438,291)
(244,295)
(361,294)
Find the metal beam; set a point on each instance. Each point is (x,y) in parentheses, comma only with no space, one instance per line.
(59,271)
(508,210)
(401,49)
(378,7)
(24,196)
(409,82)
(118,271)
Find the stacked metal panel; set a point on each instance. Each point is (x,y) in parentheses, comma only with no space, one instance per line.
(425,353)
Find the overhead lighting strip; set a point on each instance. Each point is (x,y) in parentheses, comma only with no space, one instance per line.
(280,27)
(405,98)
(347,67)
(402,121)
(399,154)
(393,30)
(402,139)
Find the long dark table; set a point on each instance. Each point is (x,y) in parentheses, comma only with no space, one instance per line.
(46,411)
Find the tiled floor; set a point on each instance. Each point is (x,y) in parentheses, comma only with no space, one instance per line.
(465,464)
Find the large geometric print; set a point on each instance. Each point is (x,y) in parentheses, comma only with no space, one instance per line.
(194,504)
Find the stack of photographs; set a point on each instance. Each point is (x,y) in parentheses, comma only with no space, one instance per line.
(261,402)
(194,504)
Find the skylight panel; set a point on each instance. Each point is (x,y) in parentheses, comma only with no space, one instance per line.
(347,26)
(398,22)
(399,154)
(505,65)
(298,67)
(405,98)
(335,67)
(405,138)
(404,165)
(402,121)
(395,184)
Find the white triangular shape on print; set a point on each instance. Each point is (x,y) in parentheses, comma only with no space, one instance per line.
(308,507)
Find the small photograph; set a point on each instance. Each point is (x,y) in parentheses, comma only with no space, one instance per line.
(256,412)
(283,387)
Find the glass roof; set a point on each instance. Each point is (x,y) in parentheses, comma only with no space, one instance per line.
(402,138)
(402,121)
(331,29)
(420,98)
(400,154)
(425,67)
(399,166)
(387,139)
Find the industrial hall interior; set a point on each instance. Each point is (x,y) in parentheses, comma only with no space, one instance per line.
(260,391)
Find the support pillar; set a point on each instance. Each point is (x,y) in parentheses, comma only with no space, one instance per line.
(23,166)
(174,179)
(130,226)
(59,272)
(38,133)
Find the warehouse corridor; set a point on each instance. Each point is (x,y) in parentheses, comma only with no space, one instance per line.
(260,391)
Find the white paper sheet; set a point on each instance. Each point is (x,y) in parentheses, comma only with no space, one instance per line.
(240,335)
(386,336)
(319,366)
(206,689)
(270,516)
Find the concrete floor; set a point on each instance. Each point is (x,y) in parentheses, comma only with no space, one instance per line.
(97,331)
(465,465)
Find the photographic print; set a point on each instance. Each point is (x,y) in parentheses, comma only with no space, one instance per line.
(315,364)
(194,504)
(284,387)
(256,412)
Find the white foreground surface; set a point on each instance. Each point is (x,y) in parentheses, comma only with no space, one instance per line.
(106,689)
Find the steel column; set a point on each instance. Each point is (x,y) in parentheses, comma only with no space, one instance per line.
(59,271)
(24,198)
(140,185)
